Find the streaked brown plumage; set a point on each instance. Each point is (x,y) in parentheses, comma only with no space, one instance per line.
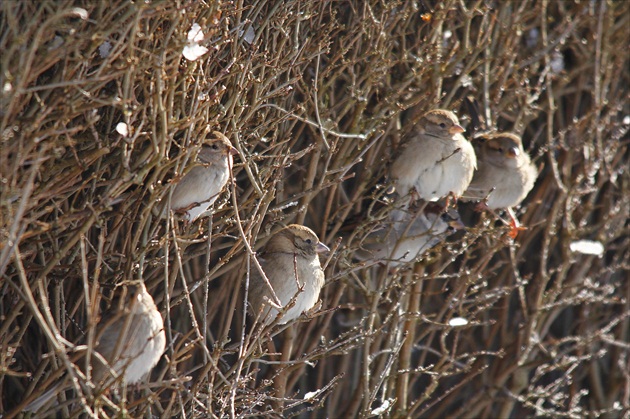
(436,160)
(505,173)
(410,235)
(195,193)
(289,258)
(130,338)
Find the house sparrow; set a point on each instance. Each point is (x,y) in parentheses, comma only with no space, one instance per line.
(409,236)
(436,160)
(505,175)
(200,187)
(130,338)
(290,262)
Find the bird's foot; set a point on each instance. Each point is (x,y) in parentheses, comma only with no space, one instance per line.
(515,225)
(451,200)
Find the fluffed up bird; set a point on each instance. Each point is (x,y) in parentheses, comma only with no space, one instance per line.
(291,263)
(130,339)
(195,193)
(435,160)
(409,236)
(505,174)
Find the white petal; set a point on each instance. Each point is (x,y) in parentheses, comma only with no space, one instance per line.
(587,247)
(311,394)
(466,81)
(457,321)
(194,51)
(382,408)
(80,12)
(122,129)
(195,34)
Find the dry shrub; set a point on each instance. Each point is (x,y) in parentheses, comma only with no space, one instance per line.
(315,96)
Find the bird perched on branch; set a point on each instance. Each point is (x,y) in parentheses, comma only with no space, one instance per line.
(291,264)
(505,174)
(129,342)
(409,235)
(195,193)
(435,160)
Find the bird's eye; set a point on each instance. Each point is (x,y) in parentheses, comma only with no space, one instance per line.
(214,147)
(309,241)
(442,125)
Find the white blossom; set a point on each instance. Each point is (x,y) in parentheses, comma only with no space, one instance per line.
(192,51)
(122,129)
(457,321)
(587,247)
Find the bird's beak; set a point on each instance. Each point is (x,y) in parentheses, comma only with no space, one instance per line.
(456,129)
(322,248)
(513,152)
(233,151)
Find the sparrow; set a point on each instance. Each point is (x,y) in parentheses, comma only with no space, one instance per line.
(130,338)
(505,174)
(195,193)
(409,235)
(435,160)
(291,263)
